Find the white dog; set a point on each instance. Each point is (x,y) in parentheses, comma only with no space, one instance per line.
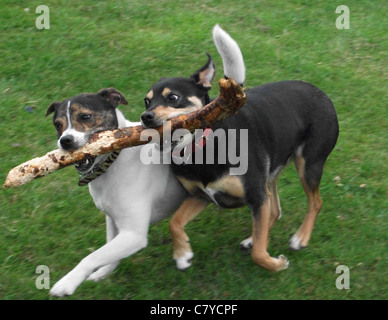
(132,194)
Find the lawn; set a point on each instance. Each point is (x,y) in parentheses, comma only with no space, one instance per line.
(131,44)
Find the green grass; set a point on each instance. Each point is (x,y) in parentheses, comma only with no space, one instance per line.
(130,45)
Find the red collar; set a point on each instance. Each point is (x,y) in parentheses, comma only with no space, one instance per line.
(201,141)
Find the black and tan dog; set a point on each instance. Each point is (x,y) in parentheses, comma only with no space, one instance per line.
(288,119)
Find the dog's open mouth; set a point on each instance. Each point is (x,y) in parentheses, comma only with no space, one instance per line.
(85,164)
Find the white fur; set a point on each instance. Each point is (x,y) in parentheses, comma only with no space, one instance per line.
(184,262)
(295,243)
(231,55)
(247,243)
(131,199)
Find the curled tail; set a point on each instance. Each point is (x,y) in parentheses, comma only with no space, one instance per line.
(231,55)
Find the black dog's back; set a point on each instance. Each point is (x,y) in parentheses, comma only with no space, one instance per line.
(283,116)
(280,117)
(284,120)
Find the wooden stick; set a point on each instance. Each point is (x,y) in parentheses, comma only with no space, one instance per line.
(230,99)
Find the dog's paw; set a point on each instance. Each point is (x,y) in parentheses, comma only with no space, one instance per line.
(67,285)
(285,263)
(64,287)
(246,244)
(184,262)
(102,272)
(296,243)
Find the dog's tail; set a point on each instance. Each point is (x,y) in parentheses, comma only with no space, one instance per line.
(231,55)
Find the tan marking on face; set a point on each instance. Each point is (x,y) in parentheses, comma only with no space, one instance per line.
(196,101)
(63,121)
(96,120)
(166,91)
(231,185)
(150,95)
(165,113)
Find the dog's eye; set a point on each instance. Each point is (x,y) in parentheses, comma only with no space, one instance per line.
(58,125)
(173,97)
(147,102)
(85,117)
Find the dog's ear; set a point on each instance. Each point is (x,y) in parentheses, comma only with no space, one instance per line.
(52,107)
(204,76)
(112,95)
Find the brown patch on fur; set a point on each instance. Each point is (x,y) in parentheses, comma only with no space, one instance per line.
(186,212)
(195,101)
(166,91)
(97,120)
(260,235)
(274,202)
(314,205)
(190,185)
(150,95)
(231,185)
(63,121)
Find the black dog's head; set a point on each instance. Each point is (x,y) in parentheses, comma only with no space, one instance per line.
(175,96)
(78,118)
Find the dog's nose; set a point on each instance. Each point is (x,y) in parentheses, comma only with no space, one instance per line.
(148,117)
(67,142)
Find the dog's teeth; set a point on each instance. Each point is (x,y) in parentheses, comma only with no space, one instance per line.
(87,161)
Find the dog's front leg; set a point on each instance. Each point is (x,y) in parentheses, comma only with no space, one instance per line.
(111,233)
(186,212)
(123,245)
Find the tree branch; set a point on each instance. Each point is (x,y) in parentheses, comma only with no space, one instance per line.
(230,99)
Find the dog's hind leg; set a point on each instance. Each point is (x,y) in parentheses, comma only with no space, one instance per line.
(183,253)
(276,211)
(261,219)
(310,157)
(310,176)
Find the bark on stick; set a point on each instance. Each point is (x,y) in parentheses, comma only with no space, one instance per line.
(230,99)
